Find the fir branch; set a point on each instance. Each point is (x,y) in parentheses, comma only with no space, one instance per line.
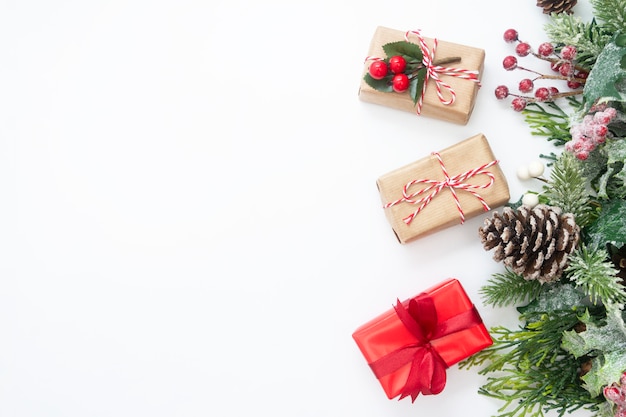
(611,14)
(509,288)
(593,271)
(567,189)
(588,38)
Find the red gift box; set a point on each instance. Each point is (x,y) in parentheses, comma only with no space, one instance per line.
(410,346)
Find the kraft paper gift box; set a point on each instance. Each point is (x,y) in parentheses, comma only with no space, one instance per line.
(418,201)
(472,59)
(410,346)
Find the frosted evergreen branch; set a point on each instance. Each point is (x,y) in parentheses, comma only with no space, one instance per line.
(594,273)
(567,189)
(611,14)
(588,38)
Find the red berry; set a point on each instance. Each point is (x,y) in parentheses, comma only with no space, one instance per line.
(553,91)
(582,155)
(545,49)
(510,35)
(526,85)
(573,84)
(568,52)
(400,83)
(601,130)
(581,74)
(522,49)
(502,92)
(518,103)
(509,63)
(378,70)
(397,64)
(542,94)
(566,69)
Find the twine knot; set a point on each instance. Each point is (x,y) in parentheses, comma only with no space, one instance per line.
(452,183)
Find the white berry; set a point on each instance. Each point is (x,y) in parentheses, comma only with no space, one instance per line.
(535,169)
(522,173)
(530,199)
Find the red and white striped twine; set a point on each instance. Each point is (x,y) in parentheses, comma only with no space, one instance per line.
(452,183)
(433,71)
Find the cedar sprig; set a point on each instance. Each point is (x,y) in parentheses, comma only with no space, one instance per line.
(594,273)
(509,288)
(567,189)
(550,120)
(533,391)
(533,373)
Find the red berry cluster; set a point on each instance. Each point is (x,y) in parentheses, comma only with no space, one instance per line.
(590,132)
(562,63)
(397,65)
(616,394)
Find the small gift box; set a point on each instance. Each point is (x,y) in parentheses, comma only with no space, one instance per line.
(443,189)
(451,73)
(410,346)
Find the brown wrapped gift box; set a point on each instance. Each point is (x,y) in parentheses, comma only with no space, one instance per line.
(460,111)
(442,211)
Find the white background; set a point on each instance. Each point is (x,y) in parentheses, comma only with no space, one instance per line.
(189,222)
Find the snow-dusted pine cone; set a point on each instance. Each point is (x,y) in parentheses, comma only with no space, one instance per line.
(534,243)
(556,6)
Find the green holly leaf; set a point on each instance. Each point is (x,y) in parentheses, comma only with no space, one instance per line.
(609,70)
(384,84)
(610,226)
(610,337)
(613,181)
(606,370)
(417,83)
(607,343)
(408,50)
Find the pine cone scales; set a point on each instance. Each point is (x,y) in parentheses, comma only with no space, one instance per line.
(556,6)
(534,243)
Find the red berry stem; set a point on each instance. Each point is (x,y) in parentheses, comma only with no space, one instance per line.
(559,77)
(441,62)
(557,60)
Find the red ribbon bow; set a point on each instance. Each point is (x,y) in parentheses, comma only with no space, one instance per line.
(428,370)
(453,183)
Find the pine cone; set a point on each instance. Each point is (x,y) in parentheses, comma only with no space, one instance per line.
(534,243)
(556,6)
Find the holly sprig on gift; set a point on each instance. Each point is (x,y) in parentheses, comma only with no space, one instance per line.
(401,70)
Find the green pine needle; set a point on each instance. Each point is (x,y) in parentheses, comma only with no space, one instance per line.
(509,288)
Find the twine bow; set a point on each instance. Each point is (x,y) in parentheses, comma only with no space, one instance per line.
(427,374)
(452,183)
(433,71)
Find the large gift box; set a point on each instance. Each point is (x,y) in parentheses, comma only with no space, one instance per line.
(461,78)
(443,189)
(410,346)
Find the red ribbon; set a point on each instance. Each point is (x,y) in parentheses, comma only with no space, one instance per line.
(427,374)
